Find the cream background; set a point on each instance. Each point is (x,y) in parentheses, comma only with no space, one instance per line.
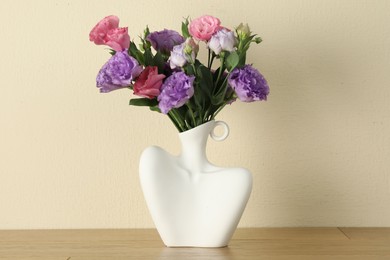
(318,149)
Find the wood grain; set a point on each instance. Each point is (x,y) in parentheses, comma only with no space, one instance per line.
(254,243)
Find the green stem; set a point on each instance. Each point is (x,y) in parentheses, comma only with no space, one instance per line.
(192,114)
(221,69)
(206,114)
(212,60)
(208,60)
(226,78)
(174,122)
(217,111)
(224,83)
(178,120)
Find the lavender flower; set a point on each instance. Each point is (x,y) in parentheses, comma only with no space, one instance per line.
(175,91)
(178,57)
(223,40)
(248,84)
(164,41)
(118,72)
(183,53)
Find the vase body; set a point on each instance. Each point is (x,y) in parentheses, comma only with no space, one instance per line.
(193,203)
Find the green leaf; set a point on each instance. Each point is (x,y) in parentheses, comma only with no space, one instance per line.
(159,61)
(155,108)
(218,99)
(232,61)
(184,28)
(134,52)
(145,43)
(189,70)
(148,56)
(205,79)
(244,44)
(146,32)
(143,102)
(241,63)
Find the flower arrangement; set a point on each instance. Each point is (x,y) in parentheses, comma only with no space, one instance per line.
(164,72)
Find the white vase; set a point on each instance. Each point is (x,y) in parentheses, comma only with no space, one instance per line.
(193,203)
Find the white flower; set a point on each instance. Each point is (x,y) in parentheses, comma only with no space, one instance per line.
(183,53)
(223,40)
(177,58)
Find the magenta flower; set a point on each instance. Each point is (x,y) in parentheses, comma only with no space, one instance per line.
(118,72)
(176,90)
(248,84)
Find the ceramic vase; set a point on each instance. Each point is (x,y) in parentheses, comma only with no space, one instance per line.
(193,203)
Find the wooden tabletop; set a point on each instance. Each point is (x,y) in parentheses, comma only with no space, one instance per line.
(254,243)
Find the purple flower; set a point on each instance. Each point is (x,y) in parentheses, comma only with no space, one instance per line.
(175,91)
(164,41)
(248,84)
(118,72)
(223,40)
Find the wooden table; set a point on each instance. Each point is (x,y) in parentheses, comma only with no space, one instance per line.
(254,243)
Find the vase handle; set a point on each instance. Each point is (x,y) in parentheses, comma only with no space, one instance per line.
(225,133)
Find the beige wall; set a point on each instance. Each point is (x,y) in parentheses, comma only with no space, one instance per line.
(319,149)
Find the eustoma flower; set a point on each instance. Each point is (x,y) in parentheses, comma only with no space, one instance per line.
(107,32)
(223,40)
(148,83)
(118,72)
(204,27)
(248,84)
(183,53)
(165,73)
(178,57)
(164,40)
(118,39)
(99,32)
(176,91)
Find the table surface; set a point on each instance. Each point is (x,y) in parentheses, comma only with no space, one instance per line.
(253,243)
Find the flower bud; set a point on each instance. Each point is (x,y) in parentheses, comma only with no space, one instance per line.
(243,31)
(191,47)
(258,40)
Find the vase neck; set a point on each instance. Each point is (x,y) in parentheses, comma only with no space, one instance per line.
(193,143)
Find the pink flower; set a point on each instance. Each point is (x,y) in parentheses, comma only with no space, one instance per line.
(204,27)
(107,32)
(99,32)
(118,39)
(148,83)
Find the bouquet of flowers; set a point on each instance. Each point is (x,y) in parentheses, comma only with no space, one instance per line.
(164,72)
